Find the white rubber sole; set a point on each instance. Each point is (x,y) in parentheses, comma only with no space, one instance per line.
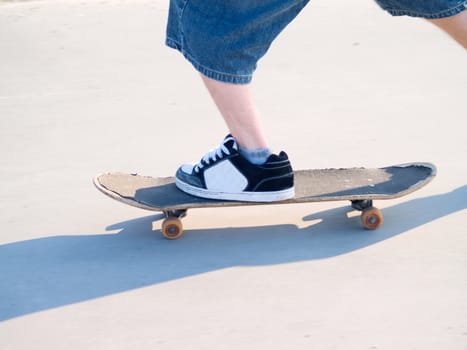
(241,196)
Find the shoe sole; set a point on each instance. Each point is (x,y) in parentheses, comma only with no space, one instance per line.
(272,196)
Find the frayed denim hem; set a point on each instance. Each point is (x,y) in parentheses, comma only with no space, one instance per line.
(443,14)
(210,73)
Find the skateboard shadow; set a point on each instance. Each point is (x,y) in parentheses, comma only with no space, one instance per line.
(50,272)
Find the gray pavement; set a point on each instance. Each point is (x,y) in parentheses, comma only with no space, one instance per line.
(88,86)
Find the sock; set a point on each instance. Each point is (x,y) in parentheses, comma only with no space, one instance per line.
(256,156)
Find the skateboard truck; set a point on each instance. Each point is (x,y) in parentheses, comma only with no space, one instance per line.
(362,204)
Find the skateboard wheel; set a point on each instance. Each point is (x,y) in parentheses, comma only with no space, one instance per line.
(372,218)
(172,228)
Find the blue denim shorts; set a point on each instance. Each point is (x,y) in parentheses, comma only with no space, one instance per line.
(225,39)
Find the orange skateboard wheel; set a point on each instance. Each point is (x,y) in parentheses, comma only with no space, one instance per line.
(372,218)
(172,227)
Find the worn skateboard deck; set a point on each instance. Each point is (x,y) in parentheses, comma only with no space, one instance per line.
(359,185)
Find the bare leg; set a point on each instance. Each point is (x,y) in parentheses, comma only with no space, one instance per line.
(235,103)
(455,26)
(246,173)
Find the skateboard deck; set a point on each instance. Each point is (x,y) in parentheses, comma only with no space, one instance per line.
(359,185)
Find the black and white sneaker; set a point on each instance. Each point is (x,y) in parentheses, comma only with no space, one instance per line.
(225,174)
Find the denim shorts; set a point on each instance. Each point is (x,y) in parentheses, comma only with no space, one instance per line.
(224,39)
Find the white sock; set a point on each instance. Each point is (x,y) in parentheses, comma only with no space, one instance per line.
(256,156)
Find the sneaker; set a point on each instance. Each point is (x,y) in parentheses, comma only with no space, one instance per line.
(225,174)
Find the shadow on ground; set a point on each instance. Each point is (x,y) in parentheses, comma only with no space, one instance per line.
(55,271)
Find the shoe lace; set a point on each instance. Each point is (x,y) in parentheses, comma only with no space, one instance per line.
(212,156)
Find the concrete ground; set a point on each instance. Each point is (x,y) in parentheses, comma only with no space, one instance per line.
(88,86)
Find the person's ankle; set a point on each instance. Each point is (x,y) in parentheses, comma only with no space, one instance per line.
(256,156)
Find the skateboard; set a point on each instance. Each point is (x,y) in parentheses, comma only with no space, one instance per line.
(360,186)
